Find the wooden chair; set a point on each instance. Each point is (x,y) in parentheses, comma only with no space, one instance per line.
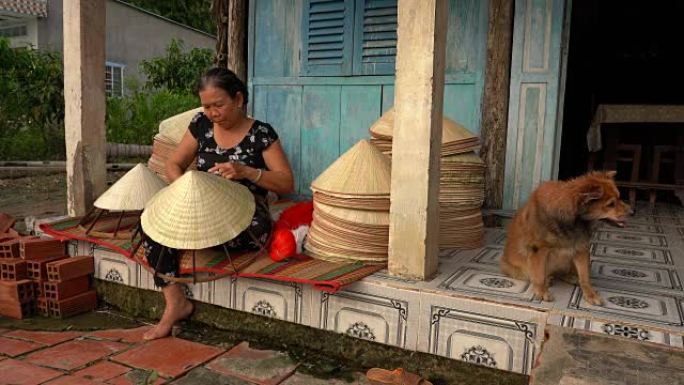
(661,154)
(631,153)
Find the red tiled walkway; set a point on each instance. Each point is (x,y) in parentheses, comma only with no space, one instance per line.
(120,356)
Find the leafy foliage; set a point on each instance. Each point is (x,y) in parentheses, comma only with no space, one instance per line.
(178,71)
(195,13)
(31,104)
(135,118)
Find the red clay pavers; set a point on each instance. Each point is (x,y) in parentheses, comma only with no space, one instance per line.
(134,335)
(11,347)
(74,354)
(56,291)
(170,357)
(45,338)
(135,377)
(23,373)
(70,268)
(12,269)
(36,269)
(265,367)
(102,371)
(71,306)
(73,380)
(40,248)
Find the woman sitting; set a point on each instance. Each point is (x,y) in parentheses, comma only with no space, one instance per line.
(228,143)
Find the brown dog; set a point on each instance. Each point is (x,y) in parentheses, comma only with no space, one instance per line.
(550,235)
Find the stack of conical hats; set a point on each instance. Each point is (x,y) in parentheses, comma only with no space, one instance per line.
(461,181)
(455,138)
(170,134)
(461,194)
(351,208)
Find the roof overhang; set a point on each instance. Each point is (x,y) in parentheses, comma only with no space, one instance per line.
(22,9)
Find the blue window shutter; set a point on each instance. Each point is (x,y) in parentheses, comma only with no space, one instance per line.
(327,31)
(375,32)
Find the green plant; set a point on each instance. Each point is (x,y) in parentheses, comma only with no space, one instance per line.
(178,71)
(31,103)
(135,118)
(195,13)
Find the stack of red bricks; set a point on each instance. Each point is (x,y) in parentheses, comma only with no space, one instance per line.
(36,272)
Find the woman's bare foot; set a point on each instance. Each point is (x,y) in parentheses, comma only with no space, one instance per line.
(177,308)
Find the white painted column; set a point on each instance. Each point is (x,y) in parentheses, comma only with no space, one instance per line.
(418,102)
(84,96)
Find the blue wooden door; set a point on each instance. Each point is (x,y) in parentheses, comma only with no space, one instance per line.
(532,144)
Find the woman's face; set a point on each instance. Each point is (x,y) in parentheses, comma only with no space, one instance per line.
(219,106)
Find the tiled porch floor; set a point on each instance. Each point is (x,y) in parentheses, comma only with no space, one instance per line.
(470,311)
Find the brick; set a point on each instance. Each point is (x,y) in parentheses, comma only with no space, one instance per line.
(9,246)
(71,306)
(6,222)
(57,291)
(70,268)
(18,291)
(37,269)
(12,269)
(42,307)
(17,310)
(41,248)
(38,288)
(13,347)
(41,337)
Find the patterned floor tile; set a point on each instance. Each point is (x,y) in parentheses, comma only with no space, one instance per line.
(653,308)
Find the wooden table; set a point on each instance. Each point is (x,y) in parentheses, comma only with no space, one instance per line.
(637,113)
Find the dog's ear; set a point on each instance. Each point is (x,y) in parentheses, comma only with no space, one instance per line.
(610,174)
(590,192)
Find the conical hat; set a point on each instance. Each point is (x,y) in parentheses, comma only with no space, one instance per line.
(132,191)
(174,128)
(349,215)
(451,131)
(362,170)
(197,211)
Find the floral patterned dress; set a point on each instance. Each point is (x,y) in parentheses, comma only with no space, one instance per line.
(248,152)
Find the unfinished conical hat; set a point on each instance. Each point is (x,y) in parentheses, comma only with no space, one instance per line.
(451,131)
(362,170)
(197,211)
(174,127)
(132,191)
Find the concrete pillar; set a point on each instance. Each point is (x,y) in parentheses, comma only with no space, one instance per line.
(416,146)
(84,96)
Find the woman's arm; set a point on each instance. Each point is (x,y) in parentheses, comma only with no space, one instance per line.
(278,178)
(179,161)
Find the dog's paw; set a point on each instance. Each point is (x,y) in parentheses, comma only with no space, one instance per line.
(546,296)
(593,298)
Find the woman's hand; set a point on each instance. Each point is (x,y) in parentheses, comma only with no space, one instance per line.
(233,171)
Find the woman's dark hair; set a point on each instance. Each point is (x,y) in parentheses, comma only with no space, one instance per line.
(224,79)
